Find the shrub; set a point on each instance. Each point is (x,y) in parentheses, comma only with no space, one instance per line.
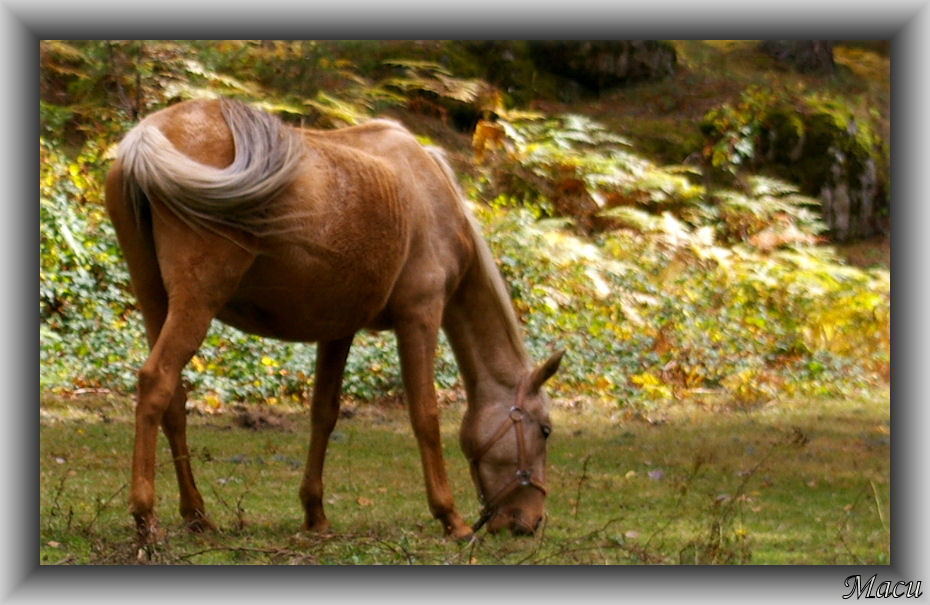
(679,291)
(89,333)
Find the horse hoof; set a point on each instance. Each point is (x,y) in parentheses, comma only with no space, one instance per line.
(147,530)
(318,527)
(200,524)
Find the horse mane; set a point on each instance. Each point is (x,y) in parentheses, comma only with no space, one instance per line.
(267,157)
(485,264)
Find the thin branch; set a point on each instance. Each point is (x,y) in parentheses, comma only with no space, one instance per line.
(584,475)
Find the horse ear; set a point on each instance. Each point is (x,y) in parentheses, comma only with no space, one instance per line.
(545,371)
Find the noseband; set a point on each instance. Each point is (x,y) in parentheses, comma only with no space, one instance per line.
(523,476)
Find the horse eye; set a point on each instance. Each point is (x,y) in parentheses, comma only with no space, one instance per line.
(545,431)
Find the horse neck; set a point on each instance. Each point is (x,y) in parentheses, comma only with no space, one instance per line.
(483,331)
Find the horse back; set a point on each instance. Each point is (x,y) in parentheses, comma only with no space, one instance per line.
(440,232)
(366,222)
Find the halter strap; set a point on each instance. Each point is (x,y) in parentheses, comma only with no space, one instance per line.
(523,476)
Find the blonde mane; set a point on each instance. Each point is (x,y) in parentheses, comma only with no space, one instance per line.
(484,258)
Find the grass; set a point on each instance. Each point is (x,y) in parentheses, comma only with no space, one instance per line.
(795,482)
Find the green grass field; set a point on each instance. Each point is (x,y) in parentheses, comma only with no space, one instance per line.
(799,482)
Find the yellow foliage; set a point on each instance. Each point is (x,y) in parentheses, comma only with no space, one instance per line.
(652,386)
(488,136)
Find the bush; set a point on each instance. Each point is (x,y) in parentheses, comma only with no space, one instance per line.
(680,291)
(89,332)
(649,317)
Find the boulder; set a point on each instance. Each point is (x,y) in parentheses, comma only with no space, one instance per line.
(603,64)
(833,157)
(806,56)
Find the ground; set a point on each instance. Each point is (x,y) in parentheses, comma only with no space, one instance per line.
(790,482)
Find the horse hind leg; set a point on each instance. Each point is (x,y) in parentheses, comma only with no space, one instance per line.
(196,286)
(174,419)
(160,403)
(174,425)
(138,246)
(178,307)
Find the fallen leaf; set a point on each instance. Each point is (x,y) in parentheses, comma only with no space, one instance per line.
(363,501)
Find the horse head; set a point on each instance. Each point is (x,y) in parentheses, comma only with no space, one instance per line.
(505,443)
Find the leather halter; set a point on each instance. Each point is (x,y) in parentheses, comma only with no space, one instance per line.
(523,476)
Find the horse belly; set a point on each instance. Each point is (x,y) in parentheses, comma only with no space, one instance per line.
(306,305)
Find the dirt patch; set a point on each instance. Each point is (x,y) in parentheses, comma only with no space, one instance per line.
(870,253)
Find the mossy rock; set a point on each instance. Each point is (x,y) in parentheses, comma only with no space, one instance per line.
(510,65)
(599,65)
(830,154)
(806,56)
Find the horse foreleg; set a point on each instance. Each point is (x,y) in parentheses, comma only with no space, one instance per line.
(324,411)
(416,339)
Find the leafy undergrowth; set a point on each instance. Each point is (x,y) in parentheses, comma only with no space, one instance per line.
(661,286)
(676,297)
(792,483)
(664,289)
(651,320)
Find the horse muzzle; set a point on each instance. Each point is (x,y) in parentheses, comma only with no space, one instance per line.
(516,520)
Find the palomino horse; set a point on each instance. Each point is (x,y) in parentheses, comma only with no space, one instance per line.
(224,212)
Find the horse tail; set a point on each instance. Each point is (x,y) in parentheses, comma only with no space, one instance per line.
(485,263)
(267,157)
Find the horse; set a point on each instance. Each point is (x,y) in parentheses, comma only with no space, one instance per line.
(224,211)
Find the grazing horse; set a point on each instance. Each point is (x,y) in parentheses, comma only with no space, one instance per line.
(222,211)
